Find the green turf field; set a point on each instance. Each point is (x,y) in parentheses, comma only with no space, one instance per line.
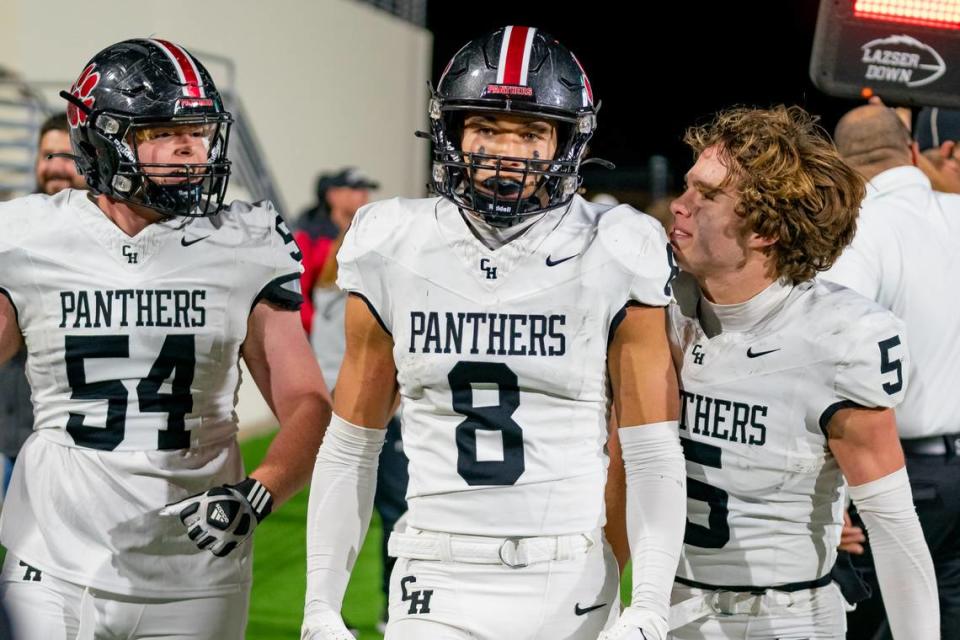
(279,570)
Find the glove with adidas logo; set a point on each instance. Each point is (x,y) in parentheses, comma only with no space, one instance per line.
(221,518)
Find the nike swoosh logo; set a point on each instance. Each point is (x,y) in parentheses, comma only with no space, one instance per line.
(553,263)
(751,354)
(187,243)
(578,611)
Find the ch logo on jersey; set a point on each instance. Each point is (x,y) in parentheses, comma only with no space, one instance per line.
(32,574)
(697,354)
(419,600)
(129,254)
(486,268)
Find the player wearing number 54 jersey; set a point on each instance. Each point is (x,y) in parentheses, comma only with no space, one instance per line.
(500,313)
(787,387)
(129,509)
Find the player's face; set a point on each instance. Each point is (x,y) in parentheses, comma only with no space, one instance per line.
(56,174)
(510,136)
(707,234)
(180,144)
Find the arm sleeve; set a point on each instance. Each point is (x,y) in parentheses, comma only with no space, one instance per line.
(656,517)
(338,513)
(904,567)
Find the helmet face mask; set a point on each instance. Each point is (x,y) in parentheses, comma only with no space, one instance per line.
(514,72)
(148,128)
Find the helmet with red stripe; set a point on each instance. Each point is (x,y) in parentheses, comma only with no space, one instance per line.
(134,91)
(514,71)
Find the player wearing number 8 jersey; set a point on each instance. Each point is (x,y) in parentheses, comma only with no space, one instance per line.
(500,313)
(129,508)
(787,387)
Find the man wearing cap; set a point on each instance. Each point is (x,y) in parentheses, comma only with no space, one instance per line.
(339,195)
(904,257)
(937,133)
(52,176)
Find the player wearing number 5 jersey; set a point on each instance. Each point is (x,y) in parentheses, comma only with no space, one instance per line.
(788,386)
(500,313)
(129,509)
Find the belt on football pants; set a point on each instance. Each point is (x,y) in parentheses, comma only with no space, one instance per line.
(932,445)
(734,600)
(515,553)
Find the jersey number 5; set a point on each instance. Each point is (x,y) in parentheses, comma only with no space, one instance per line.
(462,378)
(177,358)
(717,533)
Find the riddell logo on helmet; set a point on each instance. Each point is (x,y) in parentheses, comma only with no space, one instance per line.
(508,90)
(82,89)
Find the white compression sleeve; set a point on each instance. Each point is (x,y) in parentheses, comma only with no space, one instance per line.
(904,568)
(341,502)
(656,511)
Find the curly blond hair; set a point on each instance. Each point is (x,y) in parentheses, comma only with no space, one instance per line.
(791,183)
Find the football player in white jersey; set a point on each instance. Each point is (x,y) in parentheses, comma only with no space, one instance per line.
(135,303)
(787,387)
(501,314)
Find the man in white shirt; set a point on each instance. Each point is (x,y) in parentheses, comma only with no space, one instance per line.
(905,257)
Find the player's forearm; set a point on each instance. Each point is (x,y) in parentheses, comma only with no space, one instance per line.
(10,338)
(656,510)
(289,461)
(341,502)
(615,497)
(904,567)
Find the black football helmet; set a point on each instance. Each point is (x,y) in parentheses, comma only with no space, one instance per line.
(514,70)
(127,93)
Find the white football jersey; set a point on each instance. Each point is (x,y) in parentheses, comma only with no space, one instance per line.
(501,355)
(764,492)
(133,347)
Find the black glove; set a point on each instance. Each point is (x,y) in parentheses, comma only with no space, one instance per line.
(221,518)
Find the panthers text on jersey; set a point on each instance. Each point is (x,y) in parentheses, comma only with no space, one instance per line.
(501,355)
(133,347)
(760,382)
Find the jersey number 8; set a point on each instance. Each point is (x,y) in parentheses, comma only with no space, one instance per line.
(499,417)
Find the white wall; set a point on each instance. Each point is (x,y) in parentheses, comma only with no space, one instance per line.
(325,83)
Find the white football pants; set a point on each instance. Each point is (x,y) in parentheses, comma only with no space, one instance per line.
(41,606)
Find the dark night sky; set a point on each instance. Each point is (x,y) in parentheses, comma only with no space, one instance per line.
(670,68)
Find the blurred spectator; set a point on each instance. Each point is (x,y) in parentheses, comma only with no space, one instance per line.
(16,412)
(937,132)
(904,257)
(55,174)
(339,195)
